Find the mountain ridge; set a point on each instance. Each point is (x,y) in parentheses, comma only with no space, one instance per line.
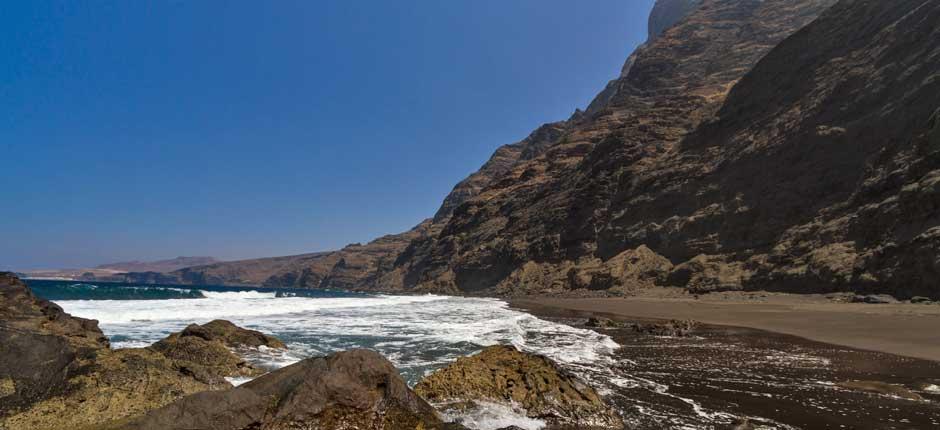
(712,163)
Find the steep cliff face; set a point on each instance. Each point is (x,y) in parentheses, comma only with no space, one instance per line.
(542,227)
(746,145)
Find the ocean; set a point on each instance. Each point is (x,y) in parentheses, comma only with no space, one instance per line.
(419,334)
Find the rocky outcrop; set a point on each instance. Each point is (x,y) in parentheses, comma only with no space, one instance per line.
(57,371)
(41,346)
(206,350)
(231,335)
(503,374)
(356,389)
(116,385)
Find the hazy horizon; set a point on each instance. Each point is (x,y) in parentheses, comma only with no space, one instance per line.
(236,131)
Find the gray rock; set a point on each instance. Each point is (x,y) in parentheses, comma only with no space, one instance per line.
(875,299)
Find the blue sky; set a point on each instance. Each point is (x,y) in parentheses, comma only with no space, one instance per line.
(147,130)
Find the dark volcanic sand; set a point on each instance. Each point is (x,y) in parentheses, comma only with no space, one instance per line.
(721,374)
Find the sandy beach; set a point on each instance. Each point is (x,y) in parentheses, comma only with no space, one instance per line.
(903,329)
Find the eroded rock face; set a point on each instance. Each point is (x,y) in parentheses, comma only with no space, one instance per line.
(611,182)
(503,374)
(356,389)
(667,13)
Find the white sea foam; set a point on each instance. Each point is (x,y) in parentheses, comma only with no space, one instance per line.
(492,416)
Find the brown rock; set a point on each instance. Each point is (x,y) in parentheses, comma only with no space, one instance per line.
(206,350)
(232,335)
(58,372)
(356,389)
(503,374)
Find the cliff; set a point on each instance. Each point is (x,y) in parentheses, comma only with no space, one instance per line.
(746,145)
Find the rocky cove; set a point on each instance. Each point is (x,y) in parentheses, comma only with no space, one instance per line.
(664,374)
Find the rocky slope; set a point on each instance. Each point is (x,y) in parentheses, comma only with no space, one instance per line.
(552,224)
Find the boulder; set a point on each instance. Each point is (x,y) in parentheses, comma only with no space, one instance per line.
(209,360)
(503,374)
(921,300)
(356,389)
(232,335)
(206,350)
(875,299)
(673,328)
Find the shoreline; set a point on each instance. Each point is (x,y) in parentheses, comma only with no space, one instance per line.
(908,330)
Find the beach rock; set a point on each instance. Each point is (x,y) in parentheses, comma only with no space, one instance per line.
(921,300)
(206,350)
(115,385)
(356,389)
(41,346)
(232,335)
(505,375)
(673,328)
(883,388)
(600,322)
(58,372)
(875,299)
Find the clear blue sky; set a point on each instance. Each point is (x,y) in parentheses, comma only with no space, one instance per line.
(147,130)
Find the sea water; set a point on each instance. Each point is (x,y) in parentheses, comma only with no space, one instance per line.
(419,334)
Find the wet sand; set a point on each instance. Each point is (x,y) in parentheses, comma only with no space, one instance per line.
(911,330)
(720,377)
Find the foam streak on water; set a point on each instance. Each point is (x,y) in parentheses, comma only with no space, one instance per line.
(417,333)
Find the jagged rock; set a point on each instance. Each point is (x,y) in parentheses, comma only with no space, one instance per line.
(673,328)
(503,374)
(356,389)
